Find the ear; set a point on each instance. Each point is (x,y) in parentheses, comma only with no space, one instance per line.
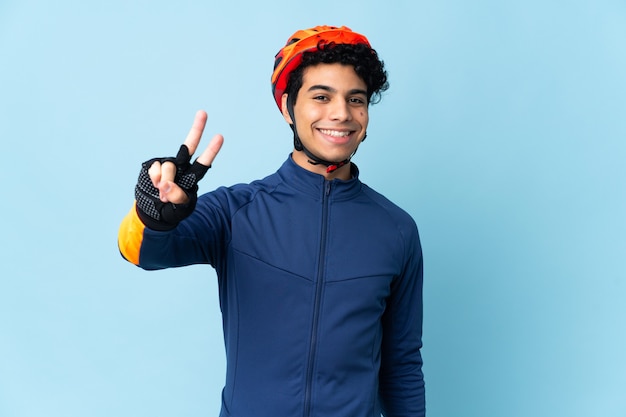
(284,109)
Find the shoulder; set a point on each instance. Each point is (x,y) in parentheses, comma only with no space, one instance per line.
(390,217)
(235,196)
(394,212)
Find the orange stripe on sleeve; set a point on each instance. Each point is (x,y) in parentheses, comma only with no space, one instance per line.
(130,236)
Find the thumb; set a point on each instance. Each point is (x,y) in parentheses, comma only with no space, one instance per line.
(169,192)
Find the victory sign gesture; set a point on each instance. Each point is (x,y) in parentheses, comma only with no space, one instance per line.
(167,188)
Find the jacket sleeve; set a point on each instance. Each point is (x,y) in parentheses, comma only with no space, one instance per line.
(196,240)
(401,389)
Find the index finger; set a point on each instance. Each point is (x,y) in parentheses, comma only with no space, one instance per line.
(195,133)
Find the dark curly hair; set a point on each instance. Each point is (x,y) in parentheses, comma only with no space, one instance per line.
(364,59)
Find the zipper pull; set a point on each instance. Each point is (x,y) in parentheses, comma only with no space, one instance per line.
(327,187)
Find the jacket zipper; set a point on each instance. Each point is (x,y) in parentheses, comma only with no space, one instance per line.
(316,306)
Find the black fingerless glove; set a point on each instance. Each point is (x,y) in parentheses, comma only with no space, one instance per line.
(156,214)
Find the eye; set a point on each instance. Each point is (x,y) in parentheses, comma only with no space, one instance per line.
(320,98)
(356,101)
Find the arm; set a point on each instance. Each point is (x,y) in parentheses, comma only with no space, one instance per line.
(401,379)
(166,194)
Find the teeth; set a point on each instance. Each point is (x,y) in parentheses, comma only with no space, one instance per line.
(335,133)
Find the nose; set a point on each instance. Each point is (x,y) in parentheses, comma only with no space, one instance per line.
(340,111)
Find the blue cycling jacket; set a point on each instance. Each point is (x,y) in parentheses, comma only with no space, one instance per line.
(320,289)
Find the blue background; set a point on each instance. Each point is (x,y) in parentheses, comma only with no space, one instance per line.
(503,134)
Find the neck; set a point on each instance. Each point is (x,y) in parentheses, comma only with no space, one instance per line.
(342,173)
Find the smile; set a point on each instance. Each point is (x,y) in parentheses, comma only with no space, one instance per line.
(335,133)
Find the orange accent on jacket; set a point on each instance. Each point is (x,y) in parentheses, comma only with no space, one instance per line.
(130,236)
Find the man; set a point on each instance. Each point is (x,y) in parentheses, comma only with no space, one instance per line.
(320,277)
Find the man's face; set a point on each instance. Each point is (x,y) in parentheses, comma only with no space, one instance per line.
(331,112)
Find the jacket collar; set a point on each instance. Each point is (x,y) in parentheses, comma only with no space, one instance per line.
(316,185)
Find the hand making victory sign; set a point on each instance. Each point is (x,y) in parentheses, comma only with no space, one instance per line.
(166,190)
(163,174)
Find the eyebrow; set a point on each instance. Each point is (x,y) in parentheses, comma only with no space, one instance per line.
(332,90)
